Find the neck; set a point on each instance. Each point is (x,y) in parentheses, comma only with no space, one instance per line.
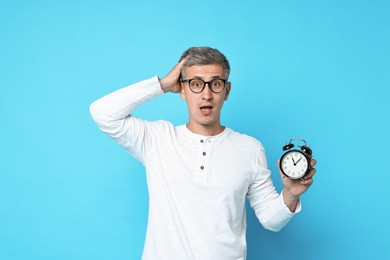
(205,130)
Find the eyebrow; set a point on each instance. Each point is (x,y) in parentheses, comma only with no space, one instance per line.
(213,77)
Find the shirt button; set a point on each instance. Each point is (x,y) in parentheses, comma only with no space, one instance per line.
(201,140)
(204,153)
(201,167)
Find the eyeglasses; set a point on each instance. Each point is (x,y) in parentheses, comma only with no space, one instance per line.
(198,85)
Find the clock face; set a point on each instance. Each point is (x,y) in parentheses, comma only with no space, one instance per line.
(294,164)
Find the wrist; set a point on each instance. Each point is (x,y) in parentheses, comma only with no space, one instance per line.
(290,195)
(291,200)
(163,84)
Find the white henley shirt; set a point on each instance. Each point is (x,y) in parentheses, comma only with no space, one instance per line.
(197,184)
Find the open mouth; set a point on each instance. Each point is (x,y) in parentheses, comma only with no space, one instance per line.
(206,110)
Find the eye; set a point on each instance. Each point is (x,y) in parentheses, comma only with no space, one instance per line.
(216,83)
(196,83)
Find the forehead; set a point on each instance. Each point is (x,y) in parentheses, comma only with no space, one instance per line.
(204,71)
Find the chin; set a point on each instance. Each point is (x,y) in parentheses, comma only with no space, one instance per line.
(209,123)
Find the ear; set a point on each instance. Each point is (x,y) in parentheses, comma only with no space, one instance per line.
(182,94)
(228,88)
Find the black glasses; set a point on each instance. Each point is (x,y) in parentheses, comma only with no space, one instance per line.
(198,85)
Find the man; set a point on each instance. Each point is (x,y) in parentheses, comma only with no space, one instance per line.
(198,174)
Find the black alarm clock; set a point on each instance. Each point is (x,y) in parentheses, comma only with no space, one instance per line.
(294,163)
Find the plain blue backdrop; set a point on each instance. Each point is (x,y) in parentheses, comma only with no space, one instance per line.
(313,69)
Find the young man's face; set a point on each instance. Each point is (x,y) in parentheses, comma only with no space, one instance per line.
(205,107)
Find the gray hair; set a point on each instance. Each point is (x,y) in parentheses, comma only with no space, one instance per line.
(205,56)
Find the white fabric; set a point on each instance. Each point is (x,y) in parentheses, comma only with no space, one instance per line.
(197,184)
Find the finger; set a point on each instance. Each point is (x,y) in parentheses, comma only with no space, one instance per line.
(310,173)
(307,182)
(179,66)
(177,69)
(313,162)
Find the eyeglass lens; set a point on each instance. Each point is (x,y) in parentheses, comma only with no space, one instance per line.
(216,85)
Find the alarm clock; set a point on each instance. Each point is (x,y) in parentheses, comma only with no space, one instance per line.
(295,163)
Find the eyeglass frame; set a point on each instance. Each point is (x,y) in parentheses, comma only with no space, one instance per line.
(205,83)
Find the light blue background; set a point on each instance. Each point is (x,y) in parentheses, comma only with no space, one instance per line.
(313,69)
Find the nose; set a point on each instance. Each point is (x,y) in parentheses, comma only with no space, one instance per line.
(207,94)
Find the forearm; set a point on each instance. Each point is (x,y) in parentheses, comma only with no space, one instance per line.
(290,200)
(119,104)
(112,115)
(166,85)
(269,206)
(275,214)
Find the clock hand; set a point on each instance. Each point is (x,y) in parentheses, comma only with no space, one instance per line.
(298,160)
(293,161)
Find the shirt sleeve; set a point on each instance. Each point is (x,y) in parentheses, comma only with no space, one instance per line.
(268,205)
(112,114)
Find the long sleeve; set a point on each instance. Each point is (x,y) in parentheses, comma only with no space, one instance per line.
(196,184)
(268,205)
(112,114)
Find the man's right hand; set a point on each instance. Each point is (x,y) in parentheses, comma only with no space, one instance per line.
(171,82)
